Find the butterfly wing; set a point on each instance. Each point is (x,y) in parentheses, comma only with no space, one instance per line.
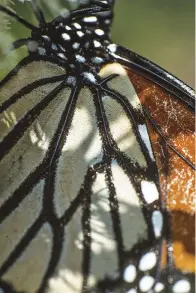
(72,171)
(168,105)
(84,180)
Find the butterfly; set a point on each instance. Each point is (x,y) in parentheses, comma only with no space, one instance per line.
(97,163)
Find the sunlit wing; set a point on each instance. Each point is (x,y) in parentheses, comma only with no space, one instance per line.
(96,161)
(74,178)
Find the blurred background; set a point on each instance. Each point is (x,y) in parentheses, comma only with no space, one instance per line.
(162,31)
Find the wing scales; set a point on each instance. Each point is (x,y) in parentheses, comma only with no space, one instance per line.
(131,216)
(29,265)
(122,131)
(170,122)
(34,143)
(78,152)
(85,163)
(25,103)
(104,257)
(25,73)
(20,220)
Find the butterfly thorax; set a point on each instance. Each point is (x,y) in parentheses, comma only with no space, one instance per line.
(83,44)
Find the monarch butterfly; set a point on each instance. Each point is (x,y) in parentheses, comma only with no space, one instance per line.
(96,160)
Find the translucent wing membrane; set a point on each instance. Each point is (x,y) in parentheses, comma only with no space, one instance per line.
(78,147)
(96,165)
(169,112)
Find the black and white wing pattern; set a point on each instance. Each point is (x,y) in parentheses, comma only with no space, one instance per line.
(80,197)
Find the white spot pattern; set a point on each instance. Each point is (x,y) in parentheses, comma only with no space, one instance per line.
(90,19)
(46,37)
(149,191)
(76,45)
(61,56)
(97,60)
(129,274)
(89,76)
(157,221)
(54,47)
(159,287)
(71,80)
(68,28)
(99,32)
(66,37)
(181,286)
(145,137)
(77,25)
(80,58)
(96,44)
(148,261)
(112,48)
(80,34)
(146,283)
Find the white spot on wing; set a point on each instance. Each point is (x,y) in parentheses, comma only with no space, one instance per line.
(145,137)
(66,37)
(61,56)
(96,44)
(157,221)
(68,28)
(146,283)
(159,287)
(80,34)
(71,80)
(149,191)
(90,19)
(77,25)
(129,274)
(181,286)
(46,37)
(99,32)
(112,48)
(97,60)
(80,58)
(89,76)
(148,261)
(54,47)
(76,46)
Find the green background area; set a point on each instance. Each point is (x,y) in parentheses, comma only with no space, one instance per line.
(160,30)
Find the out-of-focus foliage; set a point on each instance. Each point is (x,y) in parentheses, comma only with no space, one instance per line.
(162,31)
